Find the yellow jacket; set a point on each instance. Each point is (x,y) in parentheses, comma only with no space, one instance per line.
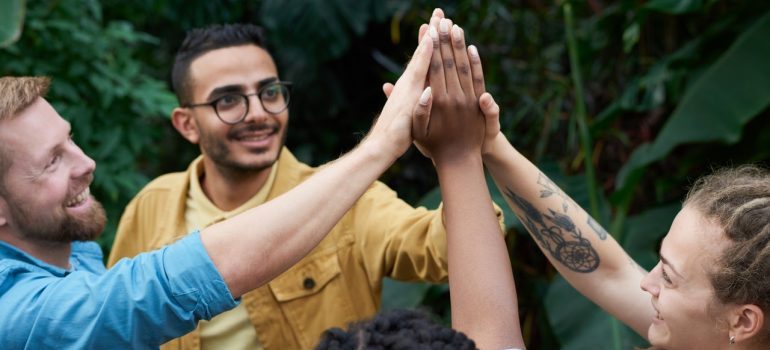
(340,281)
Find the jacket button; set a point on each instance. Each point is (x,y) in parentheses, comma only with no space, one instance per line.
(308,283)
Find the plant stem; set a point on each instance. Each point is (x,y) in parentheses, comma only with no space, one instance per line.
(585,136)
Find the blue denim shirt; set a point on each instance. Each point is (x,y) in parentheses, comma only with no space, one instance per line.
(139,303)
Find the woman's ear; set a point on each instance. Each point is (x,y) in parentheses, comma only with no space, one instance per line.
(746,321)
(185,124)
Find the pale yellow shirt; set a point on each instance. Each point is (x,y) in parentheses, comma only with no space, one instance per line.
(230,330)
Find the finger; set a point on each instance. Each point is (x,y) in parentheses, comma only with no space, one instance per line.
(488,106)
(461,61)
(436,73)
(387,88)
(447,57)
(438,12)
(415,72)
(476,71)
(421,114)
(423,30)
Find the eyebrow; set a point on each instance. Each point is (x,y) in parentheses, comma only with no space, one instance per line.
(228,89)
(665,261)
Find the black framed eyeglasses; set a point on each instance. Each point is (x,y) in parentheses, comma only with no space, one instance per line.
(233,107)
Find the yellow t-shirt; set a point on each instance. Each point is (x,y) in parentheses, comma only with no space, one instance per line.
(231,329)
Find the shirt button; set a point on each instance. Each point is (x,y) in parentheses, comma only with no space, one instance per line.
(308,283)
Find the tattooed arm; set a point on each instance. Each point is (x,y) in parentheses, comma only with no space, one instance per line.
(580,249)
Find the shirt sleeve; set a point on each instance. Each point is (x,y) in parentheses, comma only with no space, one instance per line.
(139,303)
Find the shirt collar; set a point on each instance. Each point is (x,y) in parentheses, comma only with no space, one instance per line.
(196,192)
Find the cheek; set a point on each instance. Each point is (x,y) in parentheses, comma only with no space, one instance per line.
(686,313)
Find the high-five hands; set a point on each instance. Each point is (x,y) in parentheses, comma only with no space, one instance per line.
(456,91)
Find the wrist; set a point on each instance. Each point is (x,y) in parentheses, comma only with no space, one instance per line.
(378,152)
(467,160)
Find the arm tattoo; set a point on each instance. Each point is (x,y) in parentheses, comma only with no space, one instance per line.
(557,233)
(550,188)
(600,231)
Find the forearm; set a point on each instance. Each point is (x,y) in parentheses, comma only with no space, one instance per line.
(580,249)
(482,291)
(254,247)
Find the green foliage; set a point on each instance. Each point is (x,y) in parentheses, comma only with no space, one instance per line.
(730,92)
(671,87)
(101,88)
(11,21)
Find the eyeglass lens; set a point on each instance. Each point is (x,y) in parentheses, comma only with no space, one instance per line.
(233,108)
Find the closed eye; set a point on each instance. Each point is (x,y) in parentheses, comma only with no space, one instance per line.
(54,161)
(665,275)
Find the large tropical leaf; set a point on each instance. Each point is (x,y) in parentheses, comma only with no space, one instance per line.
(731,92)
(11,21)
(581,325)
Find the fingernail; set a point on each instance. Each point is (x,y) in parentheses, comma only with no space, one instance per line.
(436,11)
(473,51)
(425,96)
(433,33)
(443,25)
(456,33)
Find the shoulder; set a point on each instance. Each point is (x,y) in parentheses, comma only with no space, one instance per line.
(89,256)
(165,187)
(166,182)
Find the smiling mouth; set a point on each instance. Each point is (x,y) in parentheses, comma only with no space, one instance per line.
(657,313)
(255,137)
(79,199)
(255,132)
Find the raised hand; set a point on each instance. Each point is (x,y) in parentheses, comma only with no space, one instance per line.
(451,124)
(393,129)
(489,108)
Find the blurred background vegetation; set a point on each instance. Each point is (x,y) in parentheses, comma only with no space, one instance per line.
(623,103)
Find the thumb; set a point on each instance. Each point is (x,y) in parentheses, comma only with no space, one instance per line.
(488,106)
(387,88)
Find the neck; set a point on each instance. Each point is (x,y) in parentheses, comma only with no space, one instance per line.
(229,189)
(56,254)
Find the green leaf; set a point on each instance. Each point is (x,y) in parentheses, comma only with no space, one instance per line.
(11,21)
(580,324)
(675,6)
(646,230)
(731,92)
(630,37)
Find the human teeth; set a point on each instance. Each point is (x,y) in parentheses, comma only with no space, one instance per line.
(79,198)
(255,138)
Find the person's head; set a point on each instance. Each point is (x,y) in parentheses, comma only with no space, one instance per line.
(44,194)
(396,330)
(231,101)
(712,286)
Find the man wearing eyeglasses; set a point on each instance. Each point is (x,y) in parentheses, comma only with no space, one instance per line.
(235,107)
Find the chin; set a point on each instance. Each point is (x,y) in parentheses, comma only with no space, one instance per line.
(657,337)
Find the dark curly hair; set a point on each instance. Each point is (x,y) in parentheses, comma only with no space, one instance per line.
(395,330)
